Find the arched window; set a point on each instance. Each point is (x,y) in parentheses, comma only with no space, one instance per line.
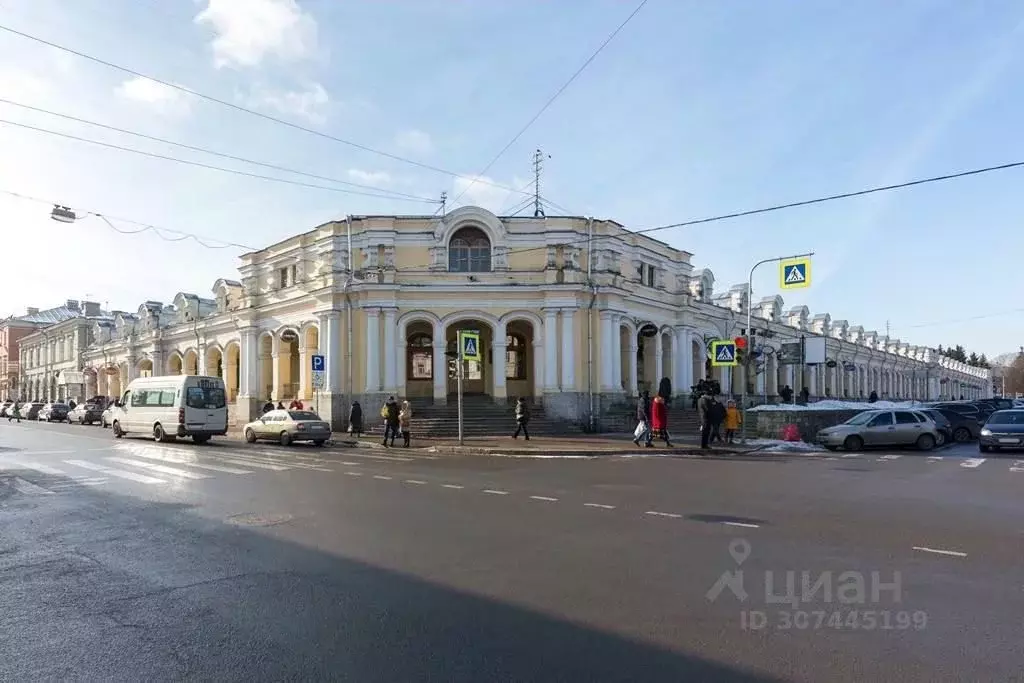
(515,357)
(421,357)
(469,252)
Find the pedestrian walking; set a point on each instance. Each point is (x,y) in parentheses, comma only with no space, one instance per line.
(404,422)
(355,419)
(704,406)
(267,407)
(15,412)
(522,419)
(717,415)
(733,420)
(659,421)
(643,419)
(390,414)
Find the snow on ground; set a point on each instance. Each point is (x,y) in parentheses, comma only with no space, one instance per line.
(829,404)
(777,446)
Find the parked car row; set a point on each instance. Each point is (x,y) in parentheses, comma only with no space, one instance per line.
(37,410)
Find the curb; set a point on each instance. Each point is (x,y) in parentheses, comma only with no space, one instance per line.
(588,454)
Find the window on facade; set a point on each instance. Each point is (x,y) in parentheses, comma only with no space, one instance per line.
(645,273)
(469,252)
(287,276)
(515,357)
(421,357)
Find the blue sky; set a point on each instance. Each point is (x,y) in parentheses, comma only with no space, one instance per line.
(695,109)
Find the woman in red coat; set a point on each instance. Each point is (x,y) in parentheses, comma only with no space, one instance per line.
(659,419)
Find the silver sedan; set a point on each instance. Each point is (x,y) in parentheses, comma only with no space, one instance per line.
(882,428)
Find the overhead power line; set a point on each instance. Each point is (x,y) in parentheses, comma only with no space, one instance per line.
(211,152)
(162,233)
(551,100)
(211,167)
(246,110)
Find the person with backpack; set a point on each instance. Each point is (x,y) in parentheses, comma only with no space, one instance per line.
(522,418)
(389,411)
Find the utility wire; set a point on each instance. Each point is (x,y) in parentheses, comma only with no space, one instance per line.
(551,100)
(246,110)
(776,207)
(211,152)
(211,167)
(208,242)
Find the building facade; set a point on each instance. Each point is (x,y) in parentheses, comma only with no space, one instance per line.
(52,363)
(577,314)
(12,331)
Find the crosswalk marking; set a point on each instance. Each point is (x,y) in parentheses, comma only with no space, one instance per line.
(972,462)
(890,457)
(30,465)
(28,488)
(123,474)
(934,458)
(266,460)
(851,455)
(185,461)
(162,469)
(257,465)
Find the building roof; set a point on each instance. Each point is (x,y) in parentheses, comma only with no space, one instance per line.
(50,316)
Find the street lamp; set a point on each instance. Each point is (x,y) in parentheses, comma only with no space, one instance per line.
(63,214)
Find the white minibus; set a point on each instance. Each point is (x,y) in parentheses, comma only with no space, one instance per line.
(172,407)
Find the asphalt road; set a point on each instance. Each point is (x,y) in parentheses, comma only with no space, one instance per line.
(127,560)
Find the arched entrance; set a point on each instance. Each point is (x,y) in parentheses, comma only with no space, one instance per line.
(214,362)
(114,384)
(174,364)
(647,357)
(92,387)
(145,368)
(287,365)
(232,376)
(519,365)
(190,362)
(478,376)
(419,359)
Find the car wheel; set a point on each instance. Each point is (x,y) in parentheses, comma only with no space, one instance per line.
(941,439)
(250,436)
(285,439)
(962,435)
(853,443)
(319,442)
(201,438)
(159,434)
(117,430)
(926,442)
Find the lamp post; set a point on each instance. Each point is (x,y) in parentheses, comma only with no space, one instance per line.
(747,356)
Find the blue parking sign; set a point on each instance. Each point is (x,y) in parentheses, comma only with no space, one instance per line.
(318,363)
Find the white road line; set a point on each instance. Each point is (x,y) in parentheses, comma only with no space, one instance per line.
(29,465)
(655,513)
(937,551)
(162,469)
(934,458)
(48,452)
(1017,466)
(256,460)
(83,482)
(599,505)
(354,474)
(393,458)
(745,525)
(257,465)
(155,454)
(546,499)
(851,455)
(890,457)
(417,482)
(350,464)
(28,488)
(496,492)
(972,462)
(452,486)
(123,474)
(381,476)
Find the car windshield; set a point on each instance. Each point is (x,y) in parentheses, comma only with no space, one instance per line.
(303,415)
(1007,417)
(861,418)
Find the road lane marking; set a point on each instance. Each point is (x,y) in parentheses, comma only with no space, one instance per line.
(452,486)
(939,551)
(890,457)
(354,474)
(256,461)
(48,452)
(417,482)
(602,506)
(934,458)
(123,474)
(972,462)
(28,488)
(351,464)
(851,455)
(381,476)
(393,458)
(546,499)
(496,492)
(655,513)
(162,469)
(81,481)
(154,454)
(745,525)
(30,465)
(257,465)
(1017,466)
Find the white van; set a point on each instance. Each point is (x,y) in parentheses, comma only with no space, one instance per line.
(172,406)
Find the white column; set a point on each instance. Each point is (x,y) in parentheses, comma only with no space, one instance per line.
(538,366)
(673,352)
(681,363)
(305,371)
(275,376)
(617,353)
(498,350)
(390,370)
(607,347)
(659,366)
(550,350)
(248,358)
(631,388)
(372,350)
(568,351)
(330,346)
(401,362)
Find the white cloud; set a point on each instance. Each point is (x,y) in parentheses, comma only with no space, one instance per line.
(160,97)
(310,104)
(486,193)
(246,31)
(374,178)
(414,141)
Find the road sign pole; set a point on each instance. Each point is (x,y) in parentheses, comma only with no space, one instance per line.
(458,383)
(748,355)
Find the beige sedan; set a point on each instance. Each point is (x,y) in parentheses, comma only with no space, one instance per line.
(288,426)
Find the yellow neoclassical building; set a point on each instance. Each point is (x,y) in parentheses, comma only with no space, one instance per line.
(576,314)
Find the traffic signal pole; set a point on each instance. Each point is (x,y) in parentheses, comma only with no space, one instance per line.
(748,354)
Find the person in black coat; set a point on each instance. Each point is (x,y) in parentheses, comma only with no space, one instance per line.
(717,416)
(355,419)
(390,420)
(643,415)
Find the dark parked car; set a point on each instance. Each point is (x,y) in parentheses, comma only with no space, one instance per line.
(943,424)
(86,413)
(965,427)
(997,403)
(30,411)
(54,412)
(1004,429)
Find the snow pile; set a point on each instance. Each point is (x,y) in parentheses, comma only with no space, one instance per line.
(777,446)
(830,404)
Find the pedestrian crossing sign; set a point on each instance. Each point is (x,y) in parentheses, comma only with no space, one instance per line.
(723,353)
(795,273)
(469,344)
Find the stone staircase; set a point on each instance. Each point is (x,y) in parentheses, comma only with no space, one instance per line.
(480,417)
